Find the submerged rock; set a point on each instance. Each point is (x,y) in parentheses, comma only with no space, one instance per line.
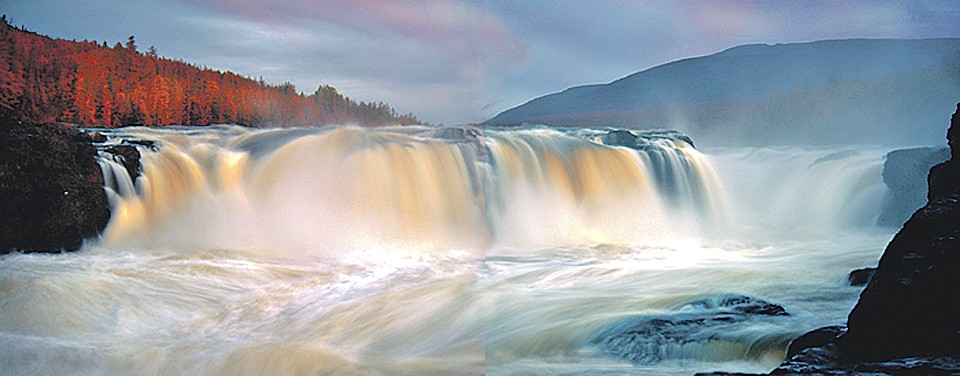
(51,188)
(738,304)
(461,134)
(711,328)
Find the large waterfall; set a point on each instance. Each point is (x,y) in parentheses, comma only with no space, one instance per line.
(455,250)
(326,190)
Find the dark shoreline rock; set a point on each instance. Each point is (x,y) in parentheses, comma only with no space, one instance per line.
(911,307)
(51,188)
(907,320)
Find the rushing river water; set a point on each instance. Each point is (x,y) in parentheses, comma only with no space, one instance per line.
(420,250)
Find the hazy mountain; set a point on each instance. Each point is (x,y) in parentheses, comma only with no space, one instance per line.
(872,90)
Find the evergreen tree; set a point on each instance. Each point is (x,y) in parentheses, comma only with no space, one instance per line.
(131,44)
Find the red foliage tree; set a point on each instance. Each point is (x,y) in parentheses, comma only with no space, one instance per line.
(83,83)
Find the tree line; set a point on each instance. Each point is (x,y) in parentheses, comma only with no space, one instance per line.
(46,80)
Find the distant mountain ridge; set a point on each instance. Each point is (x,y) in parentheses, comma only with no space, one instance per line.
(783,93)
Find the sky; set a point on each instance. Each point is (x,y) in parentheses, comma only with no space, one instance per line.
(456,62)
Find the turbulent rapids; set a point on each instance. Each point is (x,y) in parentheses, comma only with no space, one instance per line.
(419,250)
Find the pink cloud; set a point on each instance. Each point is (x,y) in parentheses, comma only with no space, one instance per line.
(732,18)
(736,20)
(455,28)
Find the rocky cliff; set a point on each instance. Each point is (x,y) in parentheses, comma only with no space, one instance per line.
(51,188)
(905,175)
(908,317)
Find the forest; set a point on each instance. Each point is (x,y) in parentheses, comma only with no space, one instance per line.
(87,84)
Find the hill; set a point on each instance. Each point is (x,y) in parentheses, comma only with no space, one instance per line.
(877,90)
(46,80)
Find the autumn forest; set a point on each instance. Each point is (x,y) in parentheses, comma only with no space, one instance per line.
(88,84)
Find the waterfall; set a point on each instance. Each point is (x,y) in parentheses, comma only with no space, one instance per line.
(328,190)
(439,250)
(795,192)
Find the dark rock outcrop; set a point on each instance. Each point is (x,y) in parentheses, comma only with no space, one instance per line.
(641,140)
(905,175)
(911,307)
(51,188)
(129,157)
(907,320)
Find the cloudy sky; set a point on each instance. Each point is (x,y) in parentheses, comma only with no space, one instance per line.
(464,61)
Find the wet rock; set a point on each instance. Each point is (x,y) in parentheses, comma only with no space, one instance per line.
(818,360)
(457,134)
(620,138)
(694,328)
(51,188)
(642,140)
(827,361)
(97,137)
(148,143)
(816,338)
(129,157)
(740,304)
(861,276)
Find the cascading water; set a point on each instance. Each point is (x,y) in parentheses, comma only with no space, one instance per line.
(348,188)
(417,250)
